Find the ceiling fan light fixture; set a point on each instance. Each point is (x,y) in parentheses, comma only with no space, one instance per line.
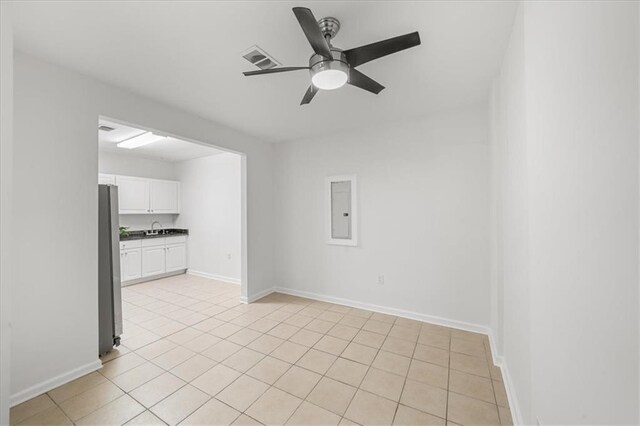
(329,79)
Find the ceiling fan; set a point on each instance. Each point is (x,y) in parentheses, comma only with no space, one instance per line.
(331,67)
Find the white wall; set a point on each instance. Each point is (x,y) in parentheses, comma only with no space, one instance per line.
(128,165)
(567,132)
(6,223)
(56,168)
(210,197)
(423,215)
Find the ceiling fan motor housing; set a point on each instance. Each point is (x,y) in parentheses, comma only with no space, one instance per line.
(329,27)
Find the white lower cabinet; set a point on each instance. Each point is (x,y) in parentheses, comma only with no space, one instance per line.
(152,257)
(131,264)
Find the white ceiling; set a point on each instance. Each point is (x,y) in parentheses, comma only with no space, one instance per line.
(169,149)
(187,54)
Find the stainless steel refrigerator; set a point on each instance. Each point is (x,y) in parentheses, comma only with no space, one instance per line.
(109,287)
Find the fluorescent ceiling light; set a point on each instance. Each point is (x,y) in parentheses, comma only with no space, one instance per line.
(140,140)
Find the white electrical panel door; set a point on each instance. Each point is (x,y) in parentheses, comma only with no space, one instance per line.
(153,260)
(165,196)
(341,210)
(133,195)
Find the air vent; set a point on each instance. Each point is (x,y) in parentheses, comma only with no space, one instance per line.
(105,128)
(260,58)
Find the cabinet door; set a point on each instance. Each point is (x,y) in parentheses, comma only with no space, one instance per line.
(131,265)
(153,260)
(133,195)
(176,257)
(104,179)
(165,196)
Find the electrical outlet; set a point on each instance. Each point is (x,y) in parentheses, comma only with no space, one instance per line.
(380,279)
(228,256)
(538,422)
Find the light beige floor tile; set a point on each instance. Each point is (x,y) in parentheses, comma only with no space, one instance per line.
(208,324)
(76,387)
(201,343)
(332,395)
(138,376)
(265,344)
(157,389)
(341,309)
(505,416)
(392,363)
(425,398)
(331,344)
(405,333)
(269,370)
(121,364)
(193,367)
(147,418)
(245,420)
(346,422)
(359,353)
(347,371)
(298,381)
(353,321)
(156,348)
(213,412)
(225,330)
(343,332)
(330,316)
(51,416)
(431,374)
(177,406)
(289,352)
(501,394)
(369,338)
(116,412)
(383,383)
(436,340)
(435,329)
(306,337)
(274,407)
(399,346)
(30,408)
(469,411)
(362,313)
(216,379)
(469,364)
(184,335)
(309,414)
(243,360)
(263,325)
(389,319)
(496,373)
(320,326)
(407,416)
(316,361)
(142,339)
(221,350)
(242,393)
(410,323)
(377,327)
(467,347)
(172,358)
(471,385)
(432,354)
(115,353)
(283,331)
(467,335)
(89,401)
(369,409)
(244,336)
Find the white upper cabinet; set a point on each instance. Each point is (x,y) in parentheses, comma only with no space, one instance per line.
(147,196)
(165,196)
(133,195)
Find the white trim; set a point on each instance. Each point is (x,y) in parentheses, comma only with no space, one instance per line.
(514,406)
(214,277)
(47,385)
(252,298)
(353,241)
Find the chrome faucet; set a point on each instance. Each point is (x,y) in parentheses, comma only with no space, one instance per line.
(152,225)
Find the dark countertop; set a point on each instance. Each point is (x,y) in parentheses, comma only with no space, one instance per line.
(141,235)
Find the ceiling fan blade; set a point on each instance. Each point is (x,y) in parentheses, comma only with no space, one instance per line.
(311,29)
(311,92)
(274,70)
(356,78)
(363,54)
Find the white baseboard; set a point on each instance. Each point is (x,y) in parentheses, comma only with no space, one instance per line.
(53,383)
(253,297)
(514,404)
(214,277)
(461,325)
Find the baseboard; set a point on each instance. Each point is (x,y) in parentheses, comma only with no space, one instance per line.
(214,277)
(461,325)
(153,277)
(53,383)
(252,298)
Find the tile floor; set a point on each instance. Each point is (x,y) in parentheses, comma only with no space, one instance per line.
(193,355)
